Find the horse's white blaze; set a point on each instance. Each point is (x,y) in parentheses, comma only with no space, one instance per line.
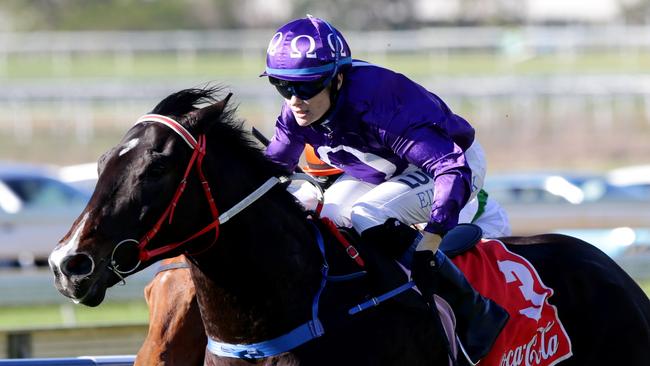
(68,248)
(128,146)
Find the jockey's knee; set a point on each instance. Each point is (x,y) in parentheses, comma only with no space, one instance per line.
(494,221)
(363,216)
(339,214)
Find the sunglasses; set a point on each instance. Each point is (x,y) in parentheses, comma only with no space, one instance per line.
(304,90)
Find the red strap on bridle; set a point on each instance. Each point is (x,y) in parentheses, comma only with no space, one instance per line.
(168,214)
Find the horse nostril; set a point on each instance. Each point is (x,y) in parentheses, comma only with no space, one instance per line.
(77,265)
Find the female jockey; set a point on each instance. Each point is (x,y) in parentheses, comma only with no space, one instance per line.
(404,154)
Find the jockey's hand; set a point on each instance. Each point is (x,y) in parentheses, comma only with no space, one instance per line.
(429,241)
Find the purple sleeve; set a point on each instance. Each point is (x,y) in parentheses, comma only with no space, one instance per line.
(286,146)
(431,150)
(419,127)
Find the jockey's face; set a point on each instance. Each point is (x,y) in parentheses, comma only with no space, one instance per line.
(308,111)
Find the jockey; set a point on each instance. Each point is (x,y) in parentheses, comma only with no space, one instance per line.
(405,155)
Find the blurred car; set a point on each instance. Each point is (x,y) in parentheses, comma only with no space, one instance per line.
(36,210)
(549,201)
(554,188)
(633,179)
(80,176)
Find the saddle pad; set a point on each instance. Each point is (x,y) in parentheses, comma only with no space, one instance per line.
(534,335)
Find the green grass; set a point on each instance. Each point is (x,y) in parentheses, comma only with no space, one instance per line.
(141,66)
(45,147)
(210,66)
(69,314)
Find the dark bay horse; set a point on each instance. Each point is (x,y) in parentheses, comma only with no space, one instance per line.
(259,273)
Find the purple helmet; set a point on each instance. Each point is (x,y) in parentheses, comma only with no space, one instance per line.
(306,49)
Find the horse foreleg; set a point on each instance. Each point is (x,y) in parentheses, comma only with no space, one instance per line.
(176,335)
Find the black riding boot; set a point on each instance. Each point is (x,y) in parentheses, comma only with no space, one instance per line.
(479,320)
(393,239)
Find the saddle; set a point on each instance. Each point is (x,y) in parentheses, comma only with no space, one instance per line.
(460,239)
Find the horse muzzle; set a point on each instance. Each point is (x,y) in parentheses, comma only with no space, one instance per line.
(75,277)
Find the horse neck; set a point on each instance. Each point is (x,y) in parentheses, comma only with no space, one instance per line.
(259,279)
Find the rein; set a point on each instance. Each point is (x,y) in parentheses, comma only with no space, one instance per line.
(199,148)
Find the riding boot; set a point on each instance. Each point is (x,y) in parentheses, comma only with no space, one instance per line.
(393,239)
(479,320)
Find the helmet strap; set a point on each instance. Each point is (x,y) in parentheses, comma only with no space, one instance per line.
(333,94)
(334,90)
(334,82)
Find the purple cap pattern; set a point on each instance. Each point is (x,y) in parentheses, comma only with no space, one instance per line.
(306,49)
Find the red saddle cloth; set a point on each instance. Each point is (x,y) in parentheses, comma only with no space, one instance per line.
(534,335)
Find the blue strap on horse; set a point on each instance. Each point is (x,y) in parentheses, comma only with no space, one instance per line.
(298,336)
(375,301)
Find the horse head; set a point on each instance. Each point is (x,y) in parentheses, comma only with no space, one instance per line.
(146,183)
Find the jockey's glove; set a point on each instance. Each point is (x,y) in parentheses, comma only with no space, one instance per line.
(428,241)
(422,242)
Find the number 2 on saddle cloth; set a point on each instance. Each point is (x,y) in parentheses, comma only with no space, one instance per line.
(534,334)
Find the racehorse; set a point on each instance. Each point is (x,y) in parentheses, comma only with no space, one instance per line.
(259,268)
(176,335)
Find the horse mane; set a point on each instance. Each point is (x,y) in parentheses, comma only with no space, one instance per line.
(228,130)
(229,127)
(187,100)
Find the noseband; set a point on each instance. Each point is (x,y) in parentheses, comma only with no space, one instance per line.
(198,146)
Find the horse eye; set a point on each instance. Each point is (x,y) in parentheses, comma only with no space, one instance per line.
(156,170)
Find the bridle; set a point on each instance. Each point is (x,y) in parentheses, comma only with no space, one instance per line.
(198,146)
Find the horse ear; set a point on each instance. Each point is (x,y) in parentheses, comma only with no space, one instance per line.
(201,119)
